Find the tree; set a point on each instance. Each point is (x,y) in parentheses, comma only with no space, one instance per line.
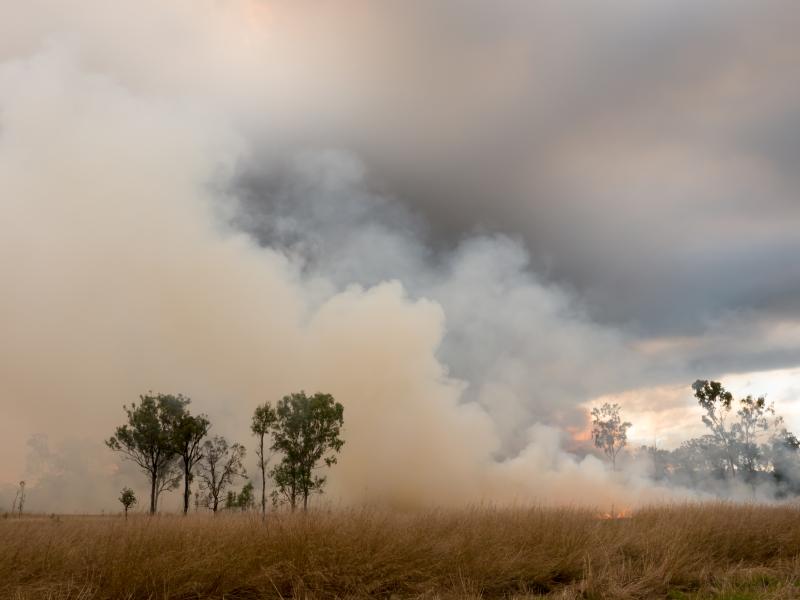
(699,460)
(658,459)
(717,401)
(307,435)
(128,499)
(231,500)
(220,465)
(785,466)
(188,434)
(740,440)
(609,433)
(754,421)
(245,500)
(148,440)
(19,499)
(264,419)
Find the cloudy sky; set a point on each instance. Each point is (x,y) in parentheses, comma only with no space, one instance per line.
(470,220)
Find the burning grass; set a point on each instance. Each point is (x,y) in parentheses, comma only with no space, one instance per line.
(693,551)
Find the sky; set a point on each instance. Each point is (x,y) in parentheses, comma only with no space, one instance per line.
(468,220)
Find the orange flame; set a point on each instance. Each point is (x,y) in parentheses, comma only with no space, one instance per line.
(625,513)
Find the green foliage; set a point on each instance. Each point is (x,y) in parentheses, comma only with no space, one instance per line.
(128,499)
(244,500)
(264,418)
(188,432)
(148,439)
(306,433)
(609,432)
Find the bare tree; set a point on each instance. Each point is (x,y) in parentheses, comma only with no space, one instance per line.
(19,499)
(609,432)
(220,465)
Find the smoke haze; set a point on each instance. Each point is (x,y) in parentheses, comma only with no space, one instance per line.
(464,222)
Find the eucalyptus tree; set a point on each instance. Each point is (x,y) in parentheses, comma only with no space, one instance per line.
(188,434)
(263,422)
(147,439)
(307,434)
(609,431)
(128,499)
(717,403)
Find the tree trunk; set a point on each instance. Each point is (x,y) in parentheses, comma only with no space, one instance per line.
(153,480)
(730,460)
(186,491)
(305,483)
(126,513)
(263,492)
(263,466)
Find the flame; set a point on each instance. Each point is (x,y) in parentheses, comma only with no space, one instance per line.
(612,515)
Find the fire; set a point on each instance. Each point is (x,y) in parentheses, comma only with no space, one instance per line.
(625,513)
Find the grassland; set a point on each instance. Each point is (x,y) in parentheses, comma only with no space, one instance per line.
(679,552)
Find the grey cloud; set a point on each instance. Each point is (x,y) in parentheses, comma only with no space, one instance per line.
(489,117)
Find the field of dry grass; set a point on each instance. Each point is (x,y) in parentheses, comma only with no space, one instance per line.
(696,551)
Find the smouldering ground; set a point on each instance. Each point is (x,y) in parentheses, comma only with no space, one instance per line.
(692,551)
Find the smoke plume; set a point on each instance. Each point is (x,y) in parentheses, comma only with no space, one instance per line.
(195,200)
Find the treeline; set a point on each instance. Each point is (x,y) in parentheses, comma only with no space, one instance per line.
(746,442)
(171,446)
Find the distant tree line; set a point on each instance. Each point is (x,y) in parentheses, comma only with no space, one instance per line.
(747,442)
(171,445)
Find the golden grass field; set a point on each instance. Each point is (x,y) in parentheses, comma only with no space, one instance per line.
(720,551)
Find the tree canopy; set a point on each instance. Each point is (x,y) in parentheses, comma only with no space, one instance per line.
(147,439)
(188,433)
(307,435)
(264,418)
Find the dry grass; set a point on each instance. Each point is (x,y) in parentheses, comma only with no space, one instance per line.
(696,551)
